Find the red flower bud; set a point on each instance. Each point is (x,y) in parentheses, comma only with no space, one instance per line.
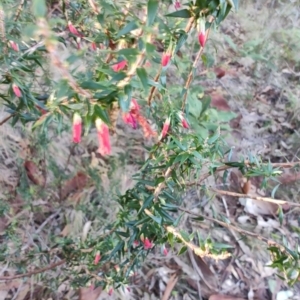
(77,128)
(184,122)
(202,39)
(110,291)
(165,128)
(97,258)
(128,118)
(177,4)
(14,45)
(93,46)
(165,251)
(73,30)
(202,33)
(119,66)
(147,244)
(17,90)
(103,137)
(165,59)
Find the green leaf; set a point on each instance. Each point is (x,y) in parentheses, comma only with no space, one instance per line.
(127,28)
(185,235)
(182,250)
(146,203)
(152,8)
(280,214)
(101,113)
(214,137)
(205,104)
(142,74)
(92,85)
(124,101)
(195,106)
(156,219)
(181,41)
(119,247)
(222,246)
(39,8)
(274,190)
(184,13)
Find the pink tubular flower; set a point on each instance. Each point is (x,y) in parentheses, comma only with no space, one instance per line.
(93,46)
(136,243)
(14,45)
(119,65)
(77,128)
(165,251)
(128,118)
(103,137)
(165,59)
(73,30)
(110,291)
(165,128)
(16,90)
(184,122)
(177,4)
(147,244)
(97,258)
(131,116)
(202,33)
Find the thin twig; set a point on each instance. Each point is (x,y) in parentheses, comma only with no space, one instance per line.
(197,250)
(226,167)
(187,29)
(259,198)
(162,184)
(38,271)
(19,10)
(6,119)
(240,230)
(190,77)
(41,227)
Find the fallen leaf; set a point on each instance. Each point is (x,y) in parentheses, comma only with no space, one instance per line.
(223,297)
(219,102)
(246,187)
(78,182)
(235,123)
(170,286)
(34,173)
(220,72)
(288,178)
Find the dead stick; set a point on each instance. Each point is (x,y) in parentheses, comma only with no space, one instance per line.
(240,230)
(38,271)
(259,198)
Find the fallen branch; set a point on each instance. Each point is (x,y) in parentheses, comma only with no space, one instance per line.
(259,198)
(227,167)
(240,230)
(38,271)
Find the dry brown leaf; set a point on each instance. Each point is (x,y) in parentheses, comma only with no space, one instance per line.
(220,72)
(223,297)
(170,286)
(78,182)
(219,102)
(246,187)
(33,173)
(288,178)
(89,294)
(235,123)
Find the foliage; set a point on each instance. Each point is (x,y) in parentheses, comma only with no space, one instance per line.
(116,60)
